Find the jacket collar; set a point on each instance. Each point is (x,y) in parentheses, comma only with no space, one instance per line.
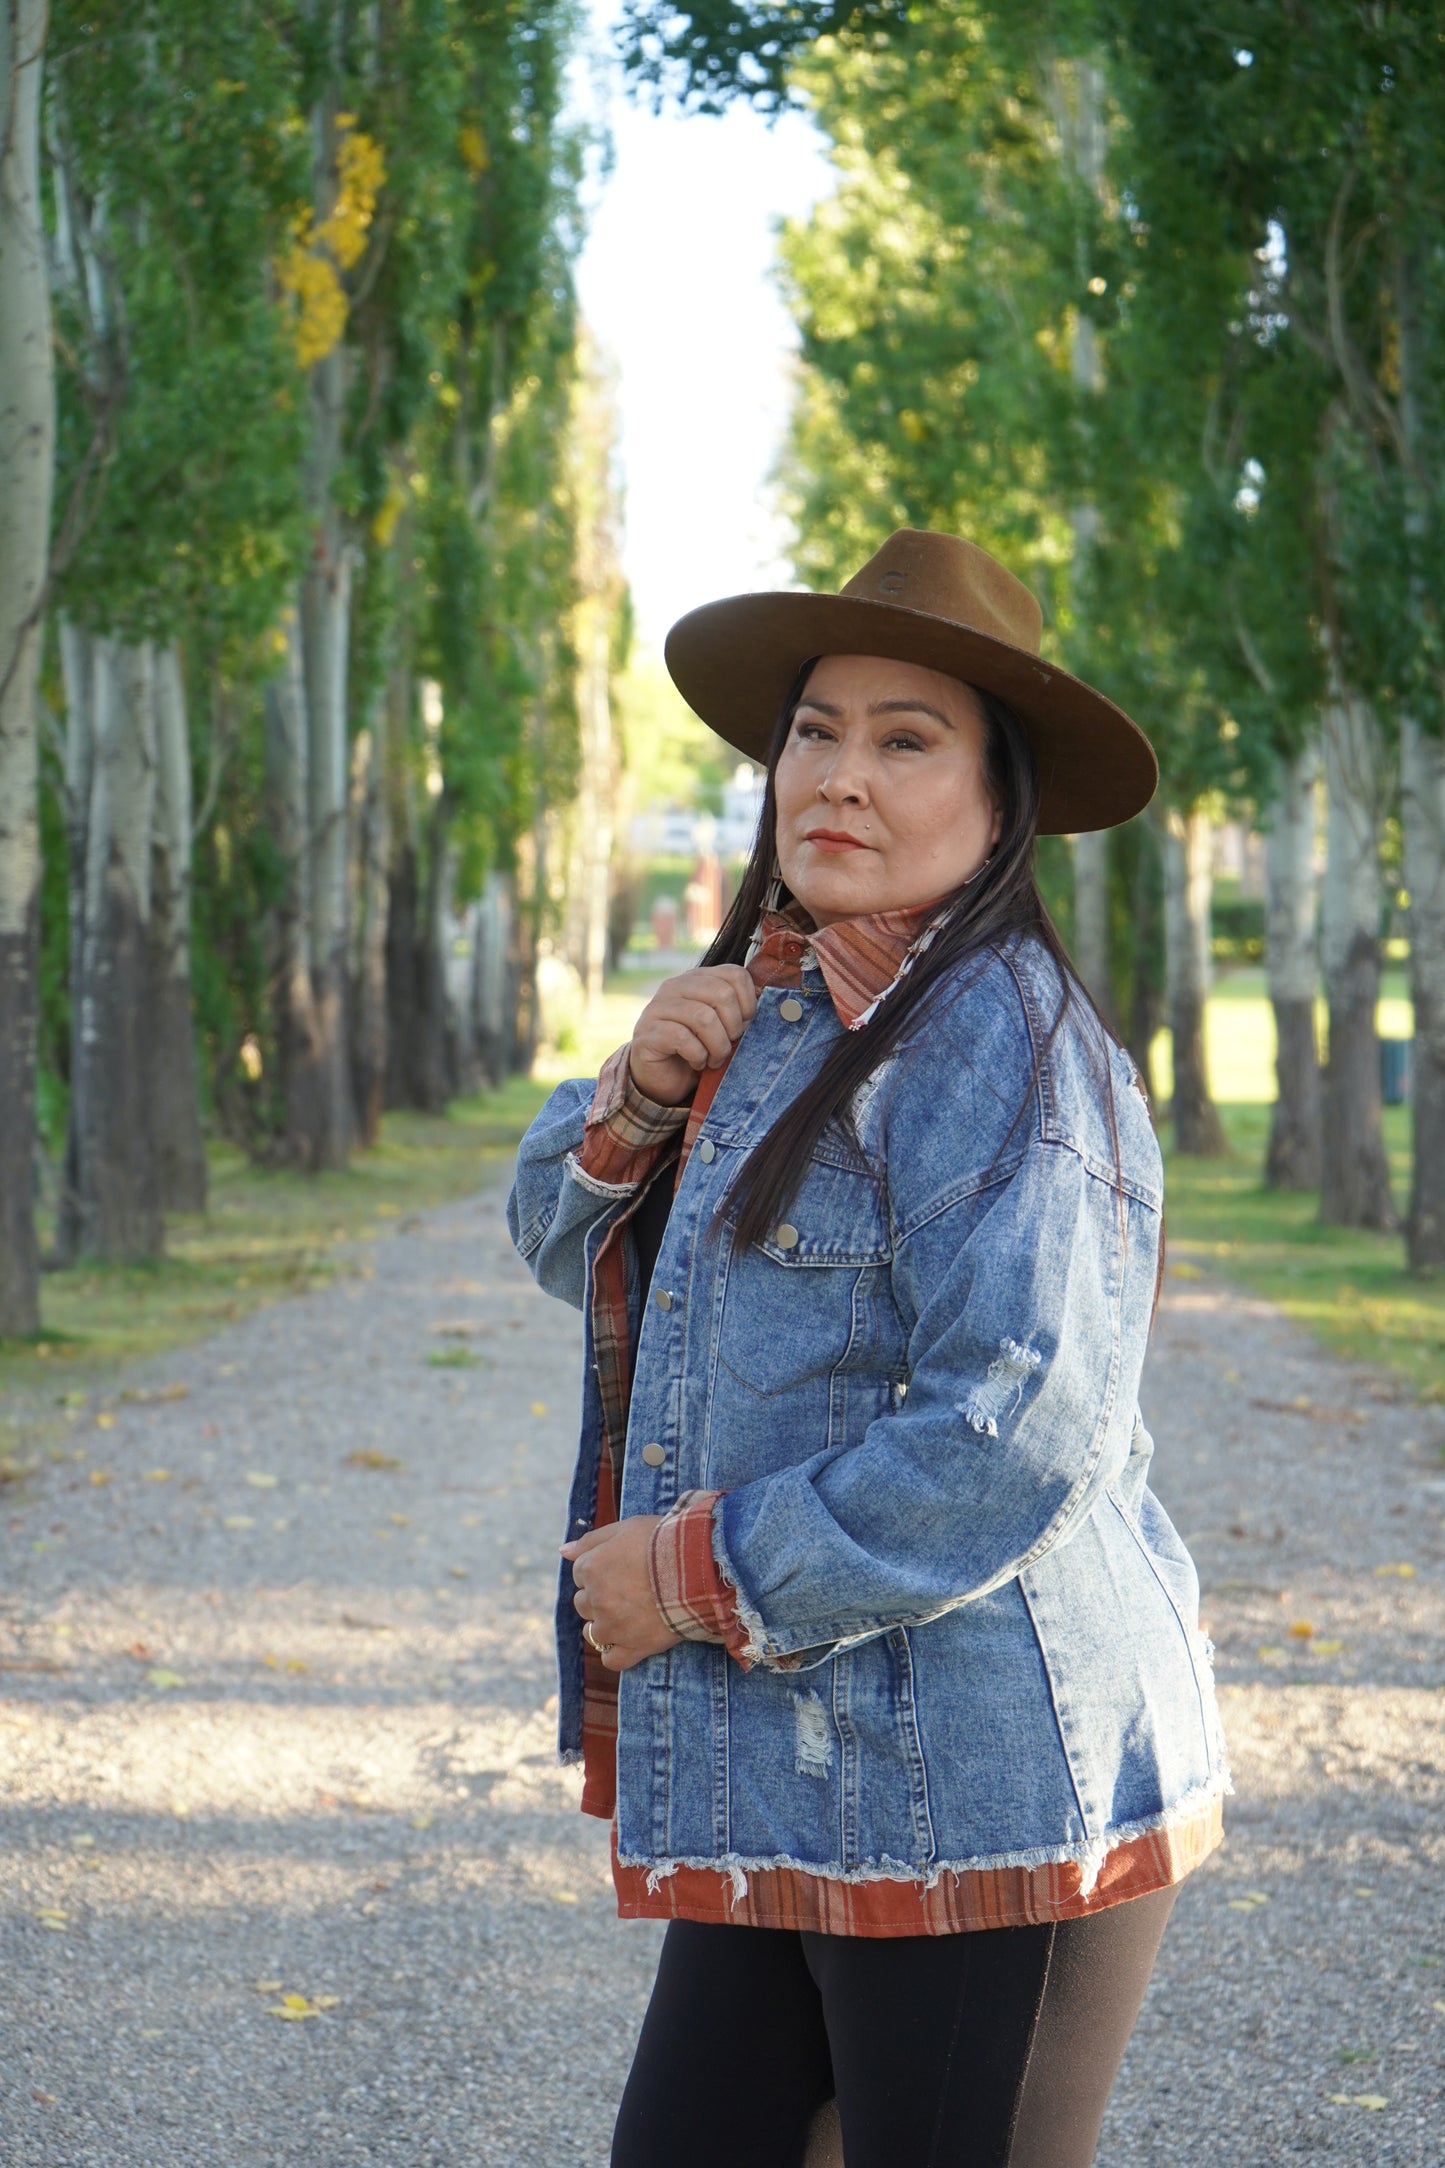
(861,959)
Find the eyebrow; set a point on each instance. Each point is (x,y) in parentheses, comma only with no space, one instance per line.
(883,707)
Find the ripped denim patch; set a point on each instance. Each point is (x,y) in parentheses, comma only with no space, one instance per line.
(1002,1387)
(813,1737)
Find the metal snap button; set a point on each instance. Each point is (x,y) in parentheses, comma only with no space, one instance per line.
(707,1151)
(663,1299)
(654,1455)
(790,1010)
(786,1236)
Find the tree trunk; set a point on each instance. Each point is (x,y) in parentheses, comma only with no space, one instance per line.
(1091,918)
(402,999)
(434,1078)
(1188,883)
(594,822)
(1355,1176)
(1292,964)
(180,1145)
(325,633)
(27,448)
(492,999)
(115,1205)
(287,764)
(1422,791)
(372,830)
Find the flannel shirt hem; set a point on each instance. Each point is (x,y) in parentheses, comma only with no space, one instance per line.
(694,1599)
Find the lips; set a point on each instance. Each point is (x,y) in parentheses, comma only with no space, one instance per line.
(832,839)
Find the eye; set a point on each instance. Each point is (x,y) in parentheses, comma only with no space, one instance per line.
(906,741)
(810,730)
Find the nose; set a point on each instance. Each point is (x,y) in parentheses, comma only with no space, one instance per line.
(845,778)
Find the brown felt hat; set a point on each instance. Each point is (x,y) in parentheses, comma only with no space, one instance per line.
(933,599)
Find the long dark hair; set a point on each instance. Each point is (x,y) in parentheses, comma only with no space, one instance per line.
(1001,900)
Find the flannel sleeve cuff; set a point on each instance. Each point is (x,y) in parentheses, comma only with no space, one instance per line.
(624,1132)
(694,1599)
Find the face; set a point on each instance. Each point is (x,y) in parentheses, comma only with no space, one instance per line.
(880,787)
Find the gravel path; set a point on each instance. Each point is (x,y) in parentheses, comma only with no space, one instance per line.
(276,1719)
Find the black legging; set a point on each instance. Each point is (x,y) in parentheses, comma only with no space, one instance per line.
(994,2049)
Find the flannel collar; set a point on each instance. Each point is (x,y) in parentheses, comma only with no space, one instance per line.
(861,959)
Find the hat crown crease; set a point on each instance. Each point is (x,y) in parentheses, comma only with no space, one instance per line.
(945,576)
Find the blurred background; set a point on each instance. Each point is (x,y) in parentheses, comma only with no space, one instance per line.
(378,383)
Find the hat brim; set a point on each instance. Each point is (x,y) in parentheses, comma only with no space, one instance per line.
(733,662)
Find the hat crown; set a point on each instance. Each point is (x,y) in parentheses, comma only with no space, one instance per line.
(942,575)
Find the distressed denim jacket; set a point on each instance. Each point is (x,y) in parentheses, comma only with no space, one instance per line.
(973,1630)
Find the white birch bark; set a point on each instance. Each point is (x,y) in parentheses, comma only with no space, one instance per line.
(1422,793)
(1355,1175)
(325,634)
(371,827)
(287,771)
(180,1144)
(1188,892)
(117,1194)
(1292,967)
(27,457)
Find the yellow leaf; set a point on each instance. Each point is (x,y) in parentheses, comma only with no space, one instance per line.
(1241,1904)
(295,1663)
(1372,2100)
(326,2002)
(82,1842)
(1231,1377)
(1302,1630)
(51,1915)
(1364,1889)
(258,1481)
(294,2008)
(238,1520)
(1182,1271)
(1257,1896)
(1440,2006)
(156,1475)
(99,1476)
(269,1987)
(424,1821)
(104,1422)
(472,145)
(399,1520)
(460,1573)
(1268,1651)
(539,1407)
(164,1679)
(1328,1648)
(151,2032)
(566,1896)
(1402,1572)
(367,1457)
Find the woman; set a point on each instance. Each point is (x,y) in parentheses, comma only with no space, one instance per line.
(872,1638)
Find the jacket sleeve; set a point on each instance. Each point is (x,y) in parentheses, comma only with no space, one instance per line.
(1028,1322)
(586,1151)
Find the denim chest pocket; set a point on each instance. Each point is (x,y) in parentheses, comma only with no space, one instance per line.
(806,1302)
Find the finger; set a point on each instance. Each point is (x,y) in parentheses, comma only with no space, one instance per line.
(721,996)
(667,1039)
(742,985)
(578,1546)
(702,1018)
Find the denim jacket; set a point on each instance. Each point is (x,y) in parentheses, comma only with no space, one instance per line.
(973,1629)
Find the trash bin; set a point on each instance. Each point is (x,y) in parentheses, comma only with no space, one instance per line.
(1395,1071)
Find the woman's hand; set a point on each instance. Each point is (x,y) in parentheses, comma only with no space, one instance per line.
(614,1589)
(692,1023)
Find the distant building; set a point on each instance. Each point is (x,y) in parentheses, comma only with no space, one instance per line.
(670,832)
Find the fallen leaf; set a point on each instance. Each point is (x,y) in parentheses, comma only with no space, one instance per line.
(156,1475)
(424,1821)
(1365,1889)
(365,1625)
(151,1396)
(151,2032)
(1257,1896)
(453,1358)
(1372,2100)
(46,2100)
(164,1679)
(1402,1572)
(258,1481)
(566,1896)
(82,1841)
(1231,1377)
(293,2008)
(51,1916)
(368,1457)
(1327,1648)
(399,1520)
(238,1520)
(1440,2006)
(460,1573)
(295,1663)
(1302,1630)
(105,1421)
(1181,1271)
(539,1407)
(99,1476)
(269,1987)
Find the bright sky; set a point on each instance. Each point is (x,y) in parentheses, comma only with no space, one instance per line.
(676,283)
